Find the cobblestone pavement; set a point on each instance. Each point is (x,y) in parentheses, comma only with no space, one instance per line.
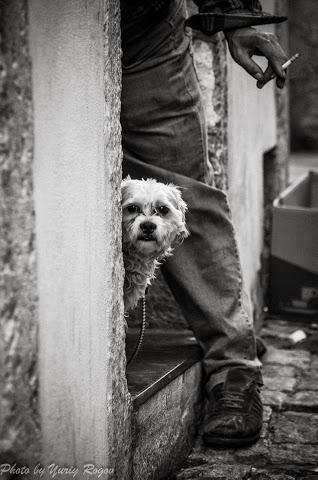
(288,447)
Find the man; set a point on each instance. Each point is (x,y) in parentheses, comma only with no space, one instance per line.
(164,137)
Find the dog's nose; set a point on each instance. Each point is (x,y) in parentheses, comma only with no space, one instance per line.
(148,227)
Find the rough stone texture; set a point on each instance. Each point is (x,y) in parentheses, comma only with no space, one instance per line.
(299,359)
(202,455)
(210,56)
(291,427)
(310,384)
(284,384)
(305,401)
(310,381)
(165,425)
(215,472)
(119,407)
(274,399)
(291,454)
(273,371)
(19,422)
(239,472)
(288,447)
(280,378)
(314,365)
(303,19)
(257,454)
(211,65)
(267,414)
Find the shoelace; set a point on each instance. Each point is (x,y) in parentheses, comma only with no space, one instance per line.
(230,401)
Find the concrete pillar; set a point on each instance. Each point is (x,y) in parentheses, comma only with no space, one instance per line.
(84,403)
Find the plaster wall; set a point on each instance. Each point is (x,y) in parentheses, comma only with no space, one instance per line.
(251,132)
(84,403)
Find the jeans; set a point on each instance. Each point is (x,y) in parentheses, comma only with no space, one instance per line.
(164,137)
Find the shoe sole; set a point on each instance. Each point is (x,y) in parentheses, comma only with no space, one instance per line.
(230,442)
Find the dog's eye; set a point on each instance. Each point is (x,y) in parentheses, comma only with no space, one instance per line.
(133,209)
(163,210)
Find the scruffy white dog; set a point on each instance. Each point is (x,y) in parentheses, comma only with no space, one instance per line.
(153,223)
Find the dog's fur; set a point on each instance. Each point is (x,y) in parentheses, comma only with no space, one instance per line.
(145,244)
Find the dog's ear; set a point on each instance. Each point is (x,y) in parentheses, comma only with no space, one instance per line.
(181,235)
(183,207)
(180,203)
(124,186)
(125,181)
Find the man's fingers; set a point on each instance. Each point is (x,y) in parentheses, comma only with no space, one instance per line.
(280,82)
(275,69)
(246,42)
(250,66)
(270,74)
(276,58)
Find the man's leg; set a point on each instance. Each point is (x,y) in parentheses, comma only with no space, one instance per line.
(164,137)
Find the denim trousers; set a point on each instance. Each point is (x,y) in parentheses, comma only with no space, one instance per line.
(164,137)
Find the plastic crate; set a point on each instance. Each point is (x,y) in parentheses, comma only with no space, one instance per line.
(293,285)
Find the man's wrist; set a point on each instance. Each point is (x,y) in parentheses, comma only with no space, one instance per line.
(229,34)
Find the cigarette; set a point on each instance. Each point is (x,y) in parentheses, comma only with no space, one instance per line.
(286,65)
(290,61)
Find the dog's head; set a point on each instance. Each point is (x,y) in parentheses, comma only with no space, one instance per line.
(153,217)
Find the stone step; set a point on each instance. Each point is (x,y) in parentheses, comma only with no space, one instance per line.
(165,382)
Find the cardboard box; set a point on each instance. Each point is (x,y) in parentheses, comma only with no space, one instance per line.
(294,249)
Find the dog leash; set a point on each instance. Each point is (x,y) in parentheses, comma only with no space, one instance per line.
(142,329)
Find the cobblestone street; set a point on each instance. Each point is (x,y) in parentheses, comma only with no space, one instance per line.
(288,448)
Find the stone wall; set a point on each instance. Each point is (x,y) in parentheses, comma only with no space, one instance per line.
(19,422)
(303,20)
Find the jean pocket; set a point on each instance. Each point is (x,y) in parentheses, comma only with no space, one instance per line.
(177,13)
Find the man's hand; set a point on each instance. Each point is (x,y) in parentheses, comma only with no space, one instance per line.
(246,42)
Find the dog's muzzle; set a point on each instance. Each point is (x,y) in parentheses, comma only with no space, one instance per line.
(147,229)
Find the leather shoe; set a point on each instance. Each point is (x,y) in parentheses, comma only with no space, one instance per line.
(235,415)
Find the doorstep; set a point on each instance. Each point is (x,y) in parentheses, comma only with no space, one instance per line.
(165,382)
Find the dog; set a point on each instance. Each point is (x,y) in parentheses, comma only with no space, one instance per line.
(153,224)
